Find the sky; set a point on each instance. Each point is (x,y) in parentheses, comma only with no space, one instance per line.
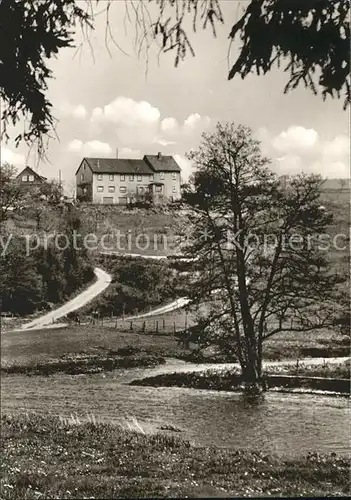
(107,98)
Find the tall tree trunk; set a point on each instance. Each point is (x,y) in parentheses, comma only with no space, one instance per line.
(252,369)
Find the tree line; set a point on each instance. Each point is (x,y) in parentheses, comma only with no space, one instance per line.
(46,275)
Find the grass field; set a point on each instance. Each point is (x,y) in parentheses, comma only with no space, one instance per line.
(29,348)
(44,457)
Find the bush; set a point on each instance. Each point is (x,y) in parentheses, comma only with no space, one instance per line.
(137,284)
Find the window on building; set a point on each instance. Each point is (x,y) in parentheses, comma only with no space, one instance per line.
(151,177)
(31,178)
(100,189)
(24,178)
(139,178)
(122,189)
(174,189)
(84,166)
(99,177)
(158,189)
(162,175)
(131,177)
(111,177)
(122,177)
(174,176)
(82,177)
(111,189)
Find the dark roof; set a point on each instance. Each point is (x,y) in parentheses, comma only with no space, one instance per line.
(118,166)
(148,165)
(162,163)
(30,171)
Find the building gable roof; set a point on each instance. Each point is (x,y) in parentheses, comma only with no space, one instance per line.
(28,170)
(162,163)
(118,166)
(148,165)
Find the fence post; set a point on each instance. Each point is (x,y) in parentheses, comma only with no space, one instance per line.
(116,323)
(174,327)
(156,326)
(164,324)
(144,326)
(131,325)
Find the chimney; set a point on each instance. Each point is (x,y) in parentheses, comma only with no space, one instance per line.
(117,153)
(159,156)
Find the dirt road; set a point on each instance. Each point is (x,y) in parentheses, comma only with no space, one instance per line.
(102,282)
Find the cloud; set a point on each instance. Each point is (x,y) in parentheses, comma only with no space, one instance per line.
(97,115)
(90,148)
(298,149)
(196,122)
(169,125)
(339,147)
(78,112)
(163,142)
(126,112)
(75,146)
(295,138)
(128,122)
(129,153)
(288,164)
(8,156)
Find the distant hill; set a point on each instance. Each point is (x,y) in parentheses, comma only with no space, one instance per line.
(336,184)
(340,184)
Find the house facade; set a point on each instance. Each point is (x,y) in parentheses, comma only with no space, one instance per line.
(29,179)
(122,181)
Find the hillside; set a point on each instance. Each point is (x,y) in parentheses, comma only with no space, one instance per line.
(153,231)
(150,231)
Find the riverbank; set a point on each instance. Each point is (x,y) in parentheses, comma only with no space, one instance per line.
(48,457)
(334,378)
(89,363)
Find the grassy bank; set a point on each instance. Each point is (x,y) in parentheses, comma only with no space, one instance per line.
(335,378)
(95,345)
(83,349)
(45,457)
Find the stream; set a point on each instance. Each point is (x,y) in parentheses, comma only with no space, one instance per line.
(284,424)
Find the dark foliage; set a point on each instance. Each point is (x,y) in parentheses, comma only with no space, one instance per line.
(30,279)
(311,38)
(137,284)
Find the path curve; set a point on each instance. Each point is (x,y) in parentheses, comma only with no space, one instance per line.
(102,282)
(173,306)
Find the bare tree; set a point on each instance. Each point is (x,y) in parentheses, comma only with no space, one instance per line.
(261,250)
